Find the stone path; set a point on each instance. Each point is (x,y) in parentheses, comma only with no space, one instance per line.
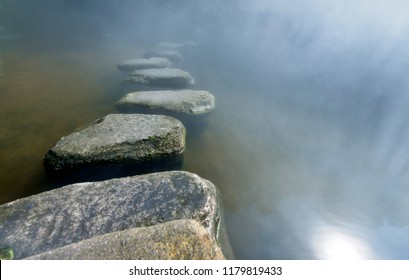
(162,215)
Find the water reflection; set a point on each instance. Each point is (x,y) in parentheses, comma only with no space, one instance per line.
(307,235)
(324,113)
(330,243)
(311,183)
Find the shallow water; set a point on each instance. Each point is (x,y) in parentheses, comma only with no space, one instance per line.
(307,144)
(46,93)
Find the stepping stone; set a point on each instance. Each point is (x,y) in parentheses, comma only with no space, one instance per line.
(172,55)
(110,144)
(174,45)
(186,102)
(175,240)
(144,63)
(169,46)
(67,215)
(165,77)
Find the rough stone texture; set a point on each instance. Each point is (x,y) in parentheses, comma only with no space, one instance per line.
(164,77)
(119,138)
(144,63)
(56,218)
(189,102)
(172,55)
(175,240)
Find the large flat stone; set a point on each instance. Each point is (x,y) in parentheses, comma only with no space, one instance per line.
(67,215)
(119,138)
(175,240)
(165,77)
(144,63)
(186,102)
(171,54)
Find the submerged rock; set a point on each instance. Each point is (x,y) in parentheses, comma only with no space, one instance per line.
(144,63)
(119,138)
(175,240)
(186,102)
(171,54)
(164,77)
(175,46)
(169,46)
(67,215)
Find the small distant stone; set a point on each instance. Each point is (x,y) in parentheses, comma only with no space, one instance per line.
(174,45)
(144,63)
(119,138)
(172,55)
(175,240)
(164,77)
(187,102)
(169,46)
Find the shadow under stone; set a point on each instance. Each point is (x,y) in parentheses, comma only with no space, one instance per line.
(106,171)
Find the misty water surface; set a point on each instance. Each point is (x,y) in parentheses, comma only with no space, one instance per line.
(308,143)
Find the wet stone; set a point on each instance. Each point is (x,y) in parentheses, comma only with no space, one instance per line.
(175,240)
(144,63)
(186,102)
(117,145)
(171,54)
(67,215)
(164,77)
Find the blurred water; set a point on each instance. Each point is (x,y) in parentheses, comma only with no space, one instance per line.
(47,92)
(308,141)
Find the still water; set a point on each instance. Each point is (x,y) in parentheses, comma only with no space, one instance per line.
(308,143)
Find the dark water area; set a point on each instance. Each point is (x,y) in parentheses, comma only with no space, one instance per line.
(308,142)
